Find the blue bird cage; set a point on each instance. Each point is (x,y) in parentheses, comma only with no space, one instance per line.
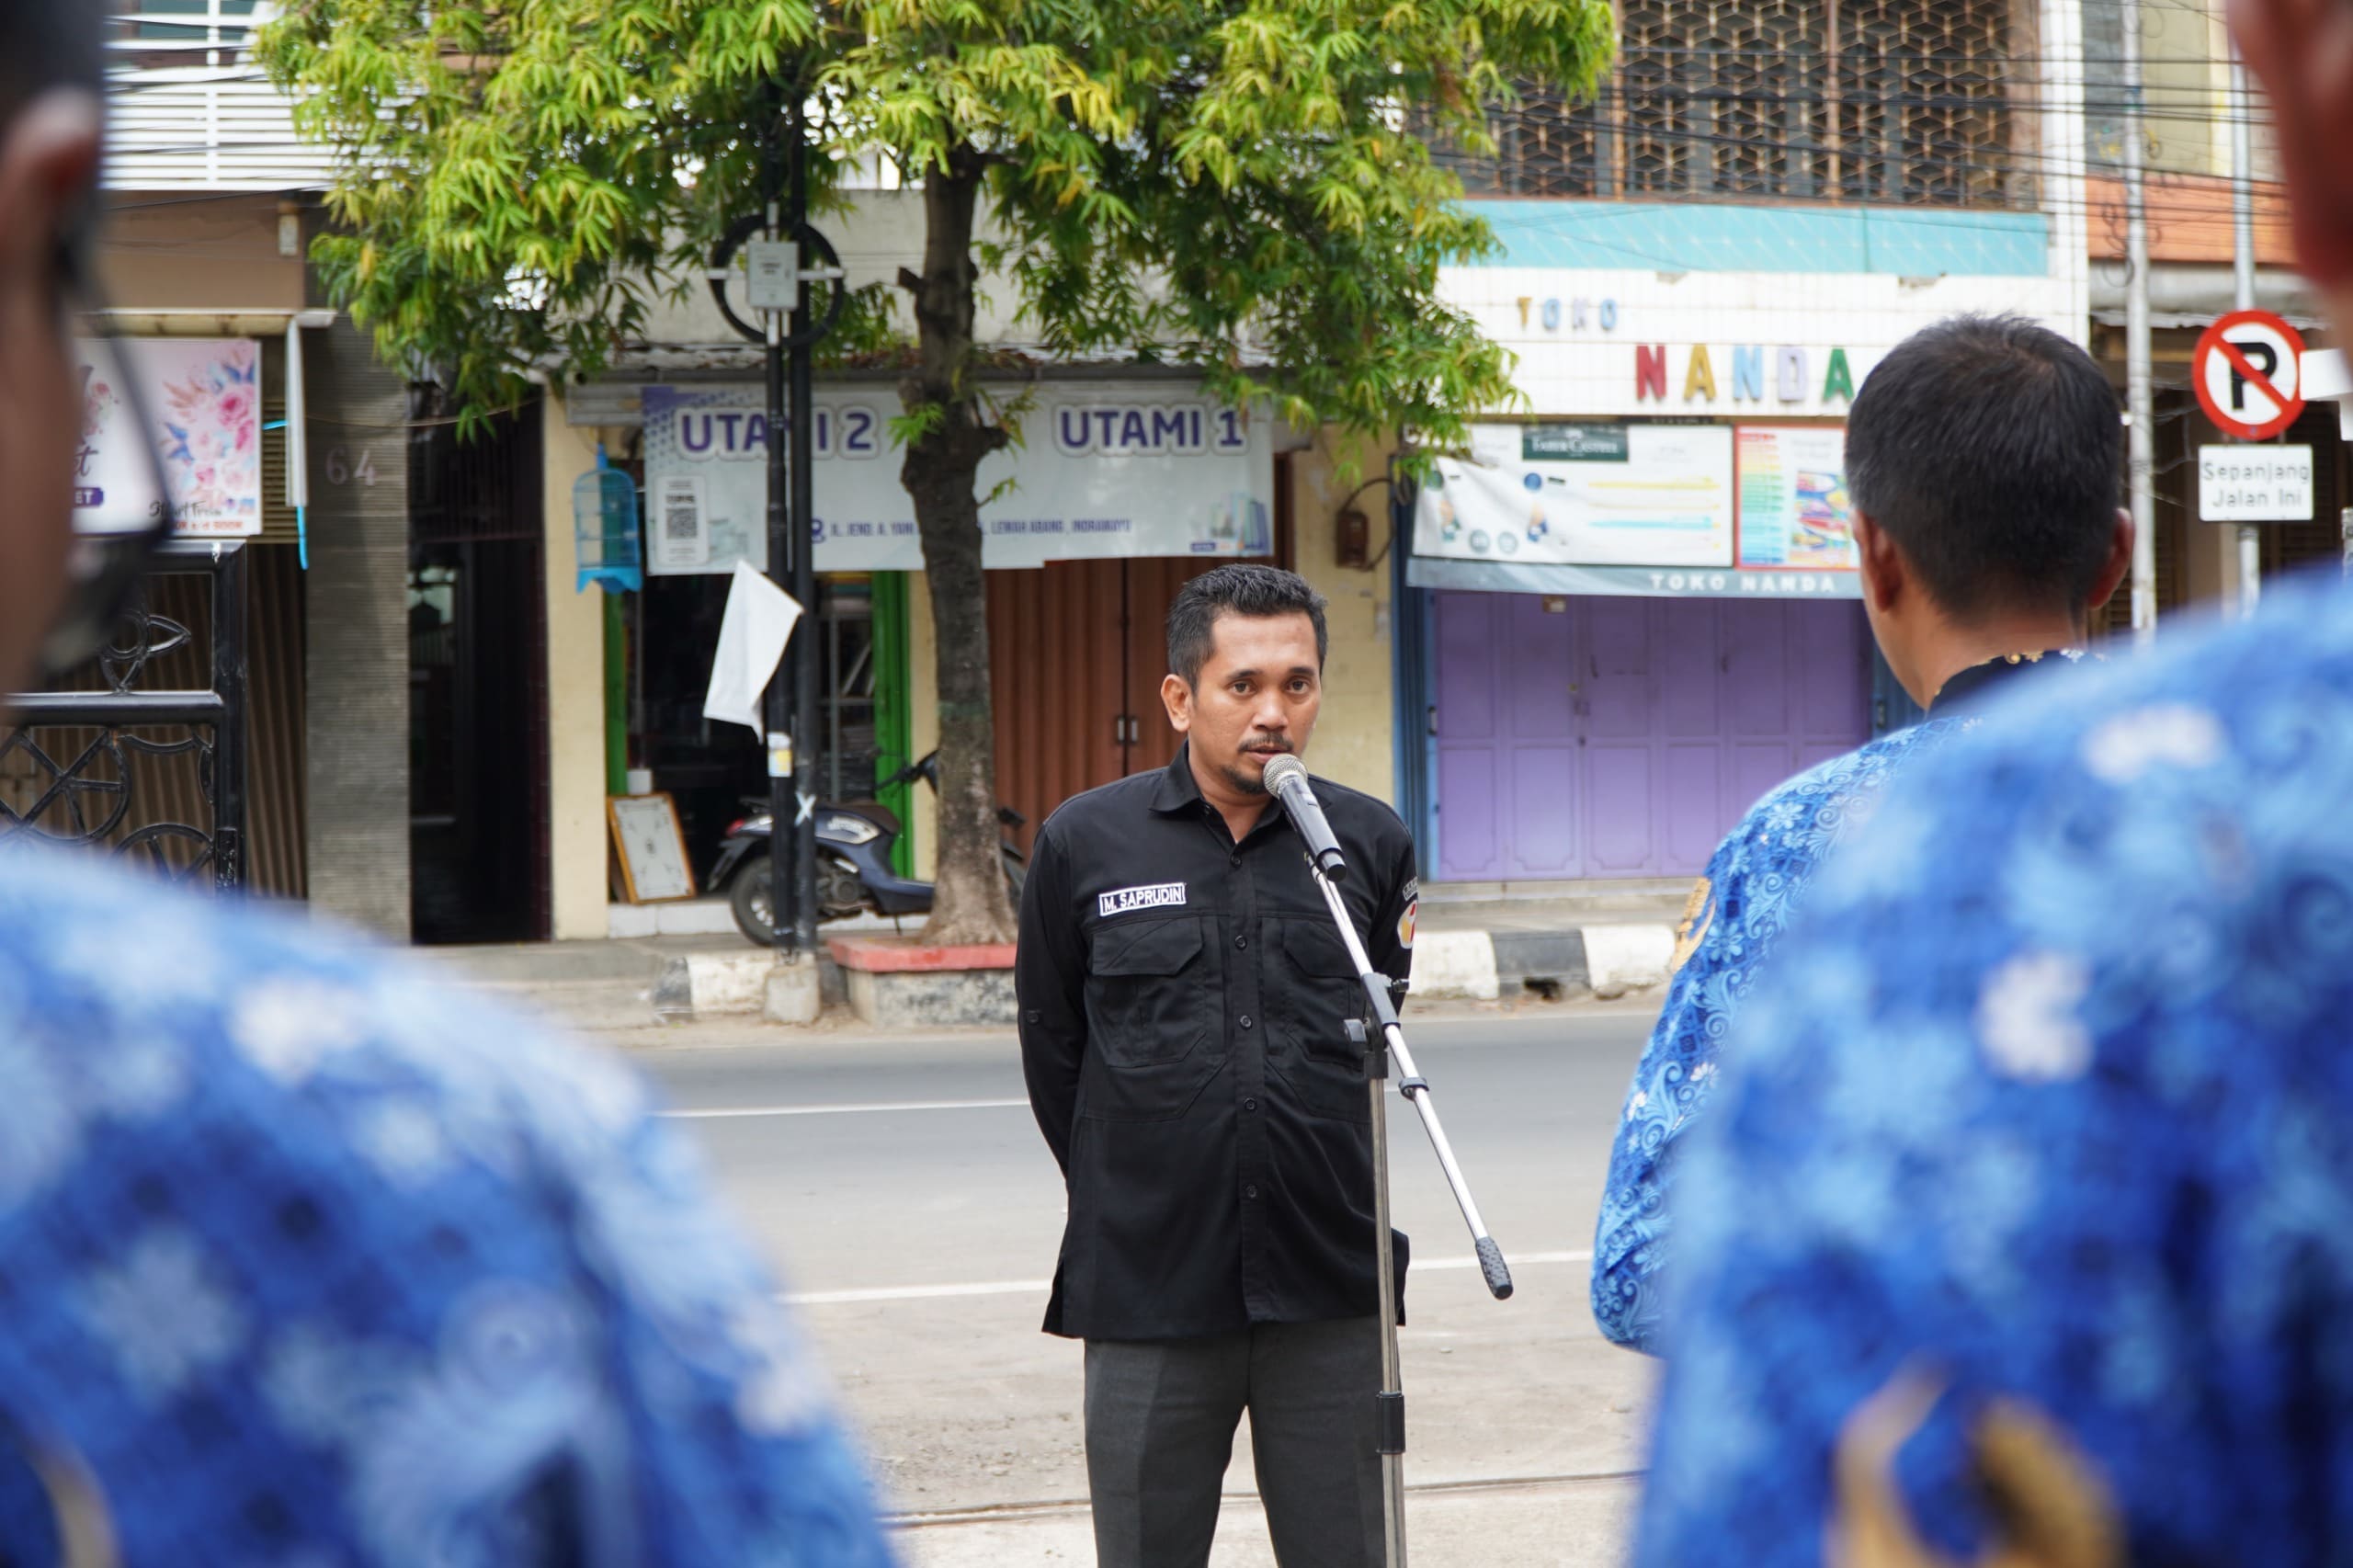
(604,531)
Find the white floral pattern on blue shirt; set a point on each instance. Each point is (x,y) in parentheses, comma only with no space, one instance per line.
(1754,882)
(2047,1101)
(305,1261)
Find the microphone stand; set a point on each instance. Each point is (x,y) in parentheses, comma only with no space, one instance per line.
(1390,1400)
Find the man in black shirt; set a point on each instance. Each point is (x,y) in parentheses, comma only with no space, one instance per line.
(1185,1008)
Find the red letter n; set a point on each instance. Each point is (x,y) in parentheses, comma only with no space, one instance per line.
(1650,372)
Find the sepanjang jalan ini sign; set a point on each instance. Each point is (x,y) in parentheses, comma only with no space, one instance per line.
(1105,468)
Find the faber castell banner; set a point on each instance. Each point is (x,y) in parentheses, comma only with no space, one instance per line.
(202,399)
(1712,510)
(1110,469)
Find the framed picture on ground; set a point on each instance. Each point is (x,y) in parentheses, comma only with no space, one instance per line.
(651,848)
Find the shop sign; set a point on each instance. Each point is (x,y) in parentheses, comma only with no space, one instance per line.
(1788,368)
(1106,470)
(1578,313)
(202,399)
(1715,509)
(1573,443)
(1556,581)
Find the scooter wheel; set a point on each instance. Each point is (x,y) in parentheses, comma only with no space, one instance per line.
(751,899)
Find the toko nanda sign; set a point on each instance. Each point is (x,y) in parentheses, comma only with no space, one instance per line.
(1112,469)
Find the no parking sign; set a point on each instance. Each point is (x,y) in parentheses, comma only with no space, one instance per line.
(2245,369)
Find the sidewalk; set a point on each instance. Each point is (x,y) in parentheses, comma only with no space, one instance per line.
(1482,942)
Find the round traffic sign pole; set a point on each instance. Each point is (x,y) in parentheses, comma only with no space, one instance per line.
(2248,371)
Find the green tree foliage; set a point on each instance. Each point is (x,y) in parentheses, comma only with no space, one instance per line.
(1238,185)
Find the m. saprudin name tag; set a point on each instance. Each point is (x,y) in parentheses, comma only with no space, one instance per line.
(1126,901)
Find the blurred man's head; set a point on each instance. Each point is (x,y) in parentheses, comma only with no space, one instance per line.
(1981,459)
(51,107)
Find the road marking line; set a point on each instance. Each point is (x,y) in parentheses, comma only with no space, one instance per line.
(916,1292)
(1514,1258)
(1033,1287)
(876,1107)
(1055,1508)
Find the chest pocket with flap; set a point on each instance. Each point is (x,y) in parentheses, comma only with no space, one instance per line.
(1324,991)
(1147,991)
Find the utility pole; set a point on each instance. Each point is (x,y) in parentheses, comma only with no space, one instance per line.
(777,242)
(2242,273)
(804,653)
(788,742)
(2142,419)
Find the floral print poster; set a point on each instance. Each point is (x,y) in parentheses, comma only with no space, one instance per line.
(201,399)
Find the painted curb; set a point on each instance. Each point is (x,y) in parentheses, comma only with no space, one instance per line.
(1607,961)
(713,985)
(1455,964)
(1619,958)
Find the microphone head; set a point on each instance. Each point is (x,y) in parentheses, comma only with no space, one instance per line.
(1282,770)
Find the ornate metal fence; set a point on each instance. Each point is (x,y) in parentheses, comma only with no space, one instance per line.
(117,766)
(1903,102)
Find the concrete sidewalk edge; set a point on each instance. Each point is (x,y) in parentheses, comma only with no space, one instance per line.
(1606,960)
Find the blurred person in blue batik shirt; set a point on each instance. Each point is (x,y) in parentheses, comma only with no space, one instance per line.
(301,1262)
(1981,456)
(2022,1231)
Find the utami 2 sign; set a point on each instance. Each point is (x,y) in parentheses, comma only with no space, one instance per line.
(1107,469)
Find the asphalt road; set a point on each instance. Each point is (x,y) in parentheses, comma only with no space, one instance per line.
(901,1190)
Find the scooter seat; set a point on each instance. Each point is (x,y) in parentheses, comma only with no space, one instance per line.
(875,811)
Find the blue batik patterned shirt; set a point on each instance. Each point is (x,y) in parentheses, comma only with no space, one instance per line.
(306,1263)
(1738,913)
(2022,1229)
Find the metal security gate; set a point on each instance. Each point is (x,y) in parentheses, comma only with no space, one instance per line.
(138,753)
(1584,737)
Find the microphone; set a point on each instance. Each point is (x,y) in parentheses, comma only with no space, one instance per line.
(1286,778)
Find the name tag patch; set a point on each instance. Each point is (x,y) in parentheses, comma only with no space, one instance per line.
(1124,901)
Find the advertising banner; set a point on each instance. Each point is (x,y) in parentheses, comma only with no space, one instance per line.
(202,398)
(1793,508)
(1587,495)
(1109,469)
(1712,510)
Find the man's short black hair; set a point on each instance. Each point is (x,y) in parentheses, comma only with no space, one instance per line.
(1238,589)
(1989,449)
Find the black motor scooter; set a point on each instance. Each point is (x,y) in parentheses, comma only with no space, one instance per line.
(854,842)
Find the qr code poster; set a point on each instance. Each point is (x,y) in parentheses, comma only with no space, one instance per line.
(681,538)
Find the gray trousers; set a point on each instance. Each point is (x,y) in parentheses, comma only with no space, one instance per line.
(1160,1421)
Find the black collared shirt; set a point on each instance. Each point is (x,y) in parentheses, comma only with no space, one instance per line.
(1967,688)
(1184,1030)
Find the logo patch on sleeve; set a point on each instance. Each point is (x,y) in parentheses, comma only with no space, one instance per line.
(1405,925)
(1126,901)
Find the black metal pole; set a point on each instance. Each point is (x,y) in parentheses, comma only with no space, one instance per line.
(784,842)
(805,718)
(229,734)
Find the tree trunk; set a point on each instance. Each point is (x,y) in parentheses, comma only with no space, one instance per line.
(940,473)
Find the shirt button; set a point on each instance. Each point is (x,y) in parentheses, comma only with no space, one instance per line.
(1249,1104)
(1242,942)
(1234,861)
(1250,1192)
(1245,1020)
